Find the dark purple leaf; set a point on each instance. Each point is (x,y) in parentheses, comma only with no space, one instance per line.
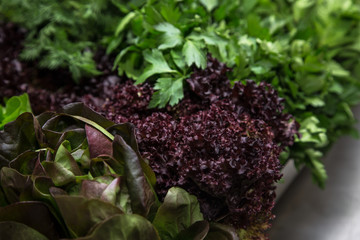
(25,162)
(141,194)
(99,144)
(63,127)
(127,132)
(221,232)
(92,189)
(33,214)
(16,187)
(211,83)
(19,136)
(80,109)
(18,231)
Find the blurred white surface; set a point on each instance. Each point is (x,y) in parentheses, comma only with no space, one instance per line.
(305,212)
(289,174)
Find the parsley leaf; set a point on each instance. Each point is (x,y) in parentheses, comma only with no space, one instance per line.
(194,54)
(158,65)
(171,36)
(169,90)
(209,4)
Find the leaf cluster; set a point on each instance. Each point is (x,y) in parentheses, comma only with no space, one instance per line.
(163,41)
(77,175)
(307,50)
(64,34)
(14,106)
(220,143)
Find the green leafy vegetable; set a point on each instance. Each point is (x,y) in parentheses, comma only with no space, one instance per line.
(308,50)
(179,211)
(158,65)
(56,173)
(14,106)
(169,90)
(139,189)
(125,227)
(171,35)
(93,210)
(19,136)
(64,34)
(193,54)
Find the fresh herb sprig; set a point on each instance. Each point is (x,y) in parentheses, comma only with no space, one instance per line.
(64,34)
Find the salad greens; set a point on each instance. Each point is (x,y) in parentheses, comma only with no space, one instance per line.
(14,106)
(78,175)
(307,49)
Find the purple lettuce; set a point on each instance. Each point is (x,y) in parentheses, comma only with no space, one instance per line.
(220,143)
(77,175)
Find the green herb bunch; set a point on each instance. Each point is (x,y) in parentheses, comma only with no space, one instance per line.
(64,34)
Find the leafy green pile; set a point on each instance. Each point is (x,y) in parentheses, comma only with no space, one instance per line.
(14,106)
(64,34)
(307,49)
(78,175)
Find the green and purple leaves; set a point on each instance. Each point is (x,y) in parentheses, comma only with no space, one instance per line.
(33,217)
(17,231)
(139,189)
(19,136)
(179,218)
(178,212)
(77,171)
(98,143)
(78,175)
(81,214)
(124,227)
